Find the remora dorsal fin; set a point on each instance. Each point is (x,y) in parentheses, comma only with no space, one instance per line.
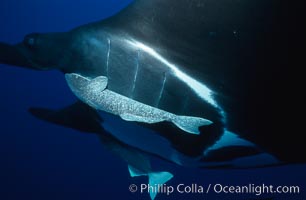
(84,87)
(79,83)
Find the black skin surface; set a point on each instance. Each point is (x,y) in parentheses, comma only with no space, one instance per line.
(245,50)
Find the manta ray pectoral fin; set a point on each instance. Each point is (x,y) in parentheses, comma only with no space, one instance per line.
(136,118)
(78,116)
(190,124)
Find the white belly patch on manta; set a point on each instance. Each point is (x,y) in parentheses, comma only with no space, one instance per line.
(94,93)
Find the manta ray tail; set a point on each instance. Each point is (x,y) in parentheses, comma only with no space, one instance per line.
(155,178)
(190,124)
(158,178)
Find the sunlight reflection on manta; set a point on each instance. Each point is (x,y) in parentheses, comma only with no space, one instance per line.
(202,90)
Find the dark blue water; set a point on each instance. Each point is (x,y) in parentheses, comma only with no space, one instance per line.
(41,161)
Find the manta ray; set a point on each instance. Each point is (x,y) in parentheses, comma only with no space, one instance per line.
(189,78)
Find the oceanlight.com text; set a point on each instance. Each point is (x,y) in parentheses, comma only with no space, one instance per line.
(194,188)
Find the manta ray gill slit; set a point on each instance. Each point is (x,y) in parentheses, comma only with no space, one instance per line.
(136,72)
(108,54)
(162,90)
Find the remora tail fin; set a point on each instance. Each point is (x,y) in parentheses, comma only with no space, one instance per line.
(190,124)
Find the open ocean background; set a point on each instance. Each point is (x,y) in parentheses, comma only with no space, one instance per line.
(41,161)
